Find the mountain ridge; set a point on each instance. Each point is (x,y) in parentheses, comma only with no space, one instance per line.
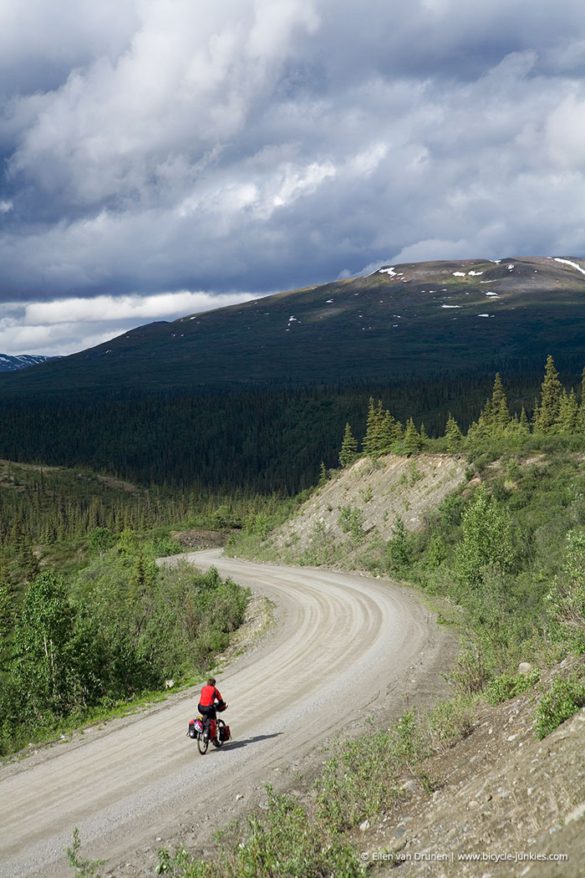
(415,320)
(15,362)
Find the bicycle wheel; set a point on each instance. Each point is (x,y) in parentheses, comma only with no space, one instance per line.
(202,743)
(218,741)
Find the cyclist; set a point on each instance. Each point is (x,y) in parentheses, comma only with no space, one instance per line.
(209,701)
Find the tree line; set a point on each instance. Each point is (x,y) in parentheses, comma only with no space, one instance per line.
(256,440)
(557,411)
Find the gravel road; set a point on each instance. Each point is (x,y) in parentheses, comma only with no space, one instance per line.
(344,646)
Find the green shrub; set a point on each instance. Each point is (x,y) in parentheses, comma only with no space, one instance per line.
(508,686)
(83,868)
(363,779)
(450,722)
(400,549)
(165,545)
(100,539)
(351,521)
(566,599)
(563,699)
(436,552)
(282,843)
(473,669)
(487,539)
(182,865)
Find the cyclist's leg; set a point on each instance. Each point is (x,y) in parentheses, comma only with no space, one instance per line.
(207,713)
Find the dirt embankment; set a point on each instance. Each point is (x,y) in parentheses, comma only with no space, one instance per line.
(361,504)
(504,804)
(199,538)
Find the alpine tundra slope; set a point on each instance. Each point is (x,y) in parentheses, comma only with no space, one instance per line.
(344,647)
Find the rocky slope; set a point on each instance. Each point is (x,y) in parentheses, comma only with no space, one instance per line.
(515,803)
(360,505)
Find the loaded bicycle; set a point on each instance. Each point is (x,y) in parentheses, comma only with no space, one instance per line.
(209,730)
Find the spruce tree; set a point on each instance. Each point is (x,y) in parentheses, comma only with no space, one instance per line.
(523,425)
(382,430)
(568,413)
(349,447)
(411,442)
(494,418)
(500,413)
(371,437)
(551,391)
(390,431)
(453,434)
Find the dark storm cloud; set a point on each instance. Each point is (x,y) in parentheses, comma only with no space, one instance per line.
(154,148)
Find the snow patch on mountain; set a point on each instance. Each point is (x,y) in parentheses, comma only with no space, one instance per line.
(10,363)
(571,264)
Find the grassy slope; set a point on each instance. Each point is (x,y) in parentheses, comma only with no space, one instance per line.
(55,507)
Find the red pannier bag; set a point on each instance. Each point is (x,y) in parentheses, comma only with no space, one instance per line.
(225,733)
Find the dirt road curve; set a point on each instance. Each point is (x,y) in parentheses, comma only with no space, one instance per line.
(344,645)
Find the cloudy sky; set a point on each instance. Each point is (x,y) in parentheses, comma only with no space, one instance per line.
(161,157)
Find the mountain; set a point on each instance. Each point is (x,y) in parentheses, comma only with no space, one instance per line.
(10,363)
(417,320)
(253,396)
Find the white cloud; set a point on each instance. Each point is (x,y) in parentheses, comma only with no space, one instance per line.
(565,133)
(63,326)
(262,144)
(136,308)
(186,81)
(435,248)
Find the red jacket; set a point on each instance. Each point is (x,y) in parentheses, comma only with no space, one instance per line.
(209,694)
